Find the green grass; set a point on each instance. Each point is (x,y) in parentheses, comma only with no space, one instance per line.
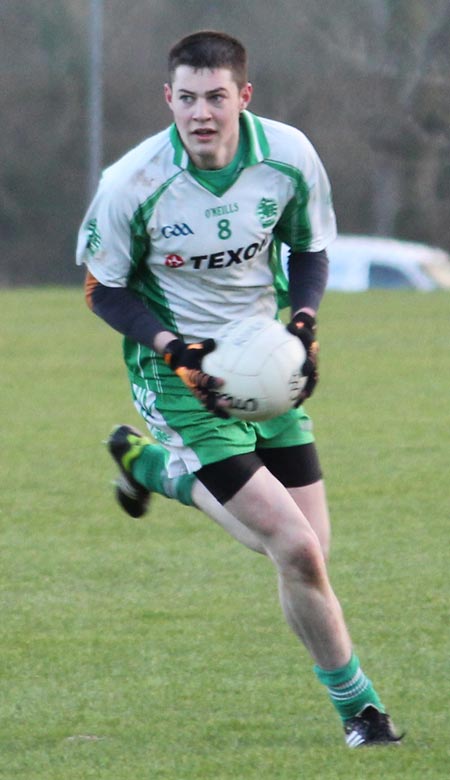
(155,649)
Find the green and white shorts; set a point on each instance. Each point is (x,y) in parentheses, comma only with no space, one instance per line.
(194,437)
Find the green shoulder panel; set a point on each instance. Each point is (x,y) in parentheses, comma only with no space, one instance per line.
(294,226)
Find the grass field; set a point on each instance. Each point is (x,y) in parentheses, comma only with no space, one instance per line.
(155,649)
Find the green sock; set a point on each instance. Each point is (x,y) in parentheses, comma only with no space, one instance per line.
(349,688)
(150,470)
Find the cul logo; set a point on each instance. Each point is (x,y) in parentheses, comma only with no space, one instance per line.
(267,211)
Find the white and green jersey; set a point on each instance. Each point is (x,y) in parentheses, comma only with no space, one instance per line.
(201,248)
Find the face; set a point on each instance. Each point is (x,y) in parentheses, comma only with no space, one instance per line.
(206,105)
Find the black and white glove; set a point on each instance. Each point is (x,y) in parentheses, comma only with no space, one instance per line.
(185,360)
(304,326)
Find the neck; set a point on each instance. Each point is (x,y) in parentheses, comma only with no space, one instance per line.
(215,161)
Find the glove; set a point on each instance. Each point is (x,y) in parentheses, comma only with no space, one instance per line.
(185,360)
(304,327)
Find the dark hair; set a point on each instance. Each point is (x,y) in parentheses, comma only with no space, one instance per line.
(210,49)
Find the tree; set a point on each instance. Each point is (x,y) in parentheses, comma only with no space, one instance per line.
(369,82)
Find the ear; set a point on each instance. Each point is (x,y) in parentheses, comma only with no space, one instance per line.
(245,96)
(168,94)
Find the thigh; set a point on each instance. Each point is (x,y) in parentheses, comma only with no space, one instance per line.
(265,506)
(312,501)
(289,452)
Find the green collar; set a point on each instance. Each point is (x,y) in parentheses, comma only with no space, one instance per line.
(219,180)
(255,149)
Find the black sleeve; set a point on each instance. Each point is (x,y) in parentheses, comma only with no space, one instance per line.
(308,275)
(124,312)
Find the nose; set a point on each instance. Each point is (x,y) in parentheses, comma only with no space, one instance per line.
(201,110)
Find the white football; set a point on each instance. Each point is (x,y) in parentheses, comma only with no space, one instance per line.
(261,363)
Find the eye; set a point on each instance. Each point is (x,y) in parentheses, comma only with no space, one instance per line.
(186,99)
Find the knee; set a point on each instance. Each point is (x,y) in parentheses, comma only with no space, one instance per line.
(303,559)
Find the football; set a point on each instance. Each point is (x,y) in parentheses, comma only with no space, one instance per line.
(261,364)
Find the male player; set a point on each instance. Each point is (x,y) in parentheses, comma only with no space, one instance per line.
(181,238)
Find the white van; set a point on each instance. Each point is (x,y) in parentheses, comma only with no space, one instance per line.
(367,262)
(364,262)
